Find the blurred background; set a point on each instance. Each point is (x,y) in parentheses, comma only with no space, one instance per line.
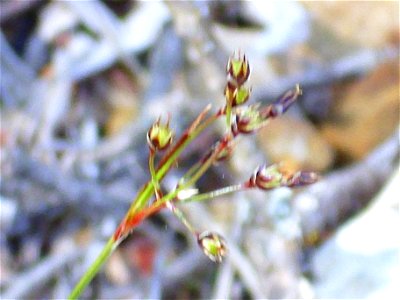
(82,81)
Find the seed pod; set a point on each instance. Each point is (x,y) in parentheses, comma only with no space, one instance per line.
(238,68)
(159,136)
(213,245)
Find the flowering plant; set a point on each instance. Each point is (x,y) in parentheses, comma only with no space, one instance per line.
(240,120)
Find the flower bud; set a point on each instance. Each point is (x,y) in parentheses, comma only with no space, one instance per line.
(248,119)
(277,175)
(159,136)
(267,178)
(302,178)
(238,68)
(213,245)
(236,95)
(282,104)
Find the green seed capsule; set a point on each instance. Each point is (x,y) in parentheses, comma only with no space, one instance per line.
(213,245)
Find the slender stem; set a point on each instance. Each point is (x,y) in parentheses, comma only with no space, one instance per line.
(199,172)
(172,207)
(213,194)
(190,172)
(179,214)
(154,180)
(109,247)
(228,113)
(93,269)
(140,201)
(162,169)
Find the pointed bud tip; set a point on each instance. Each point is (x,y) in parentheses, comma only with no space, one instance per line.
(238,68)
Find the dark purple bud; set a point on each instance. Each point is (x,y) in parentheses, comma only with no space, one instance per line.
(302,178)
(278,175)
(283,103)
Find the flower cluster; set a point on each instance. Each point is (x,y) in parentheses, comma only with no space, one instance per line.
(246,120)
(240,120)
(238,70)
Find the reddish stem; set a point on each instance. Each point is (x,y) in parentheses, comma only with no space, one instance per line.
(130,222)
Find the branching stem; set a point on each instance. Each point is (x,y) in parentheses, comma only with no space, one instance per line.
(144,195)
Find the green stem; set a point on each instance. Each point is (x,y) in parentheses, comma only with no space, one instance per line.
(190,172)
(228,114)
(109,247)
(93,269)
(179,214)
(138,203)
(172,207)
(213,194)
(154,180)
(200,197)
(148,189)
(199,172)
